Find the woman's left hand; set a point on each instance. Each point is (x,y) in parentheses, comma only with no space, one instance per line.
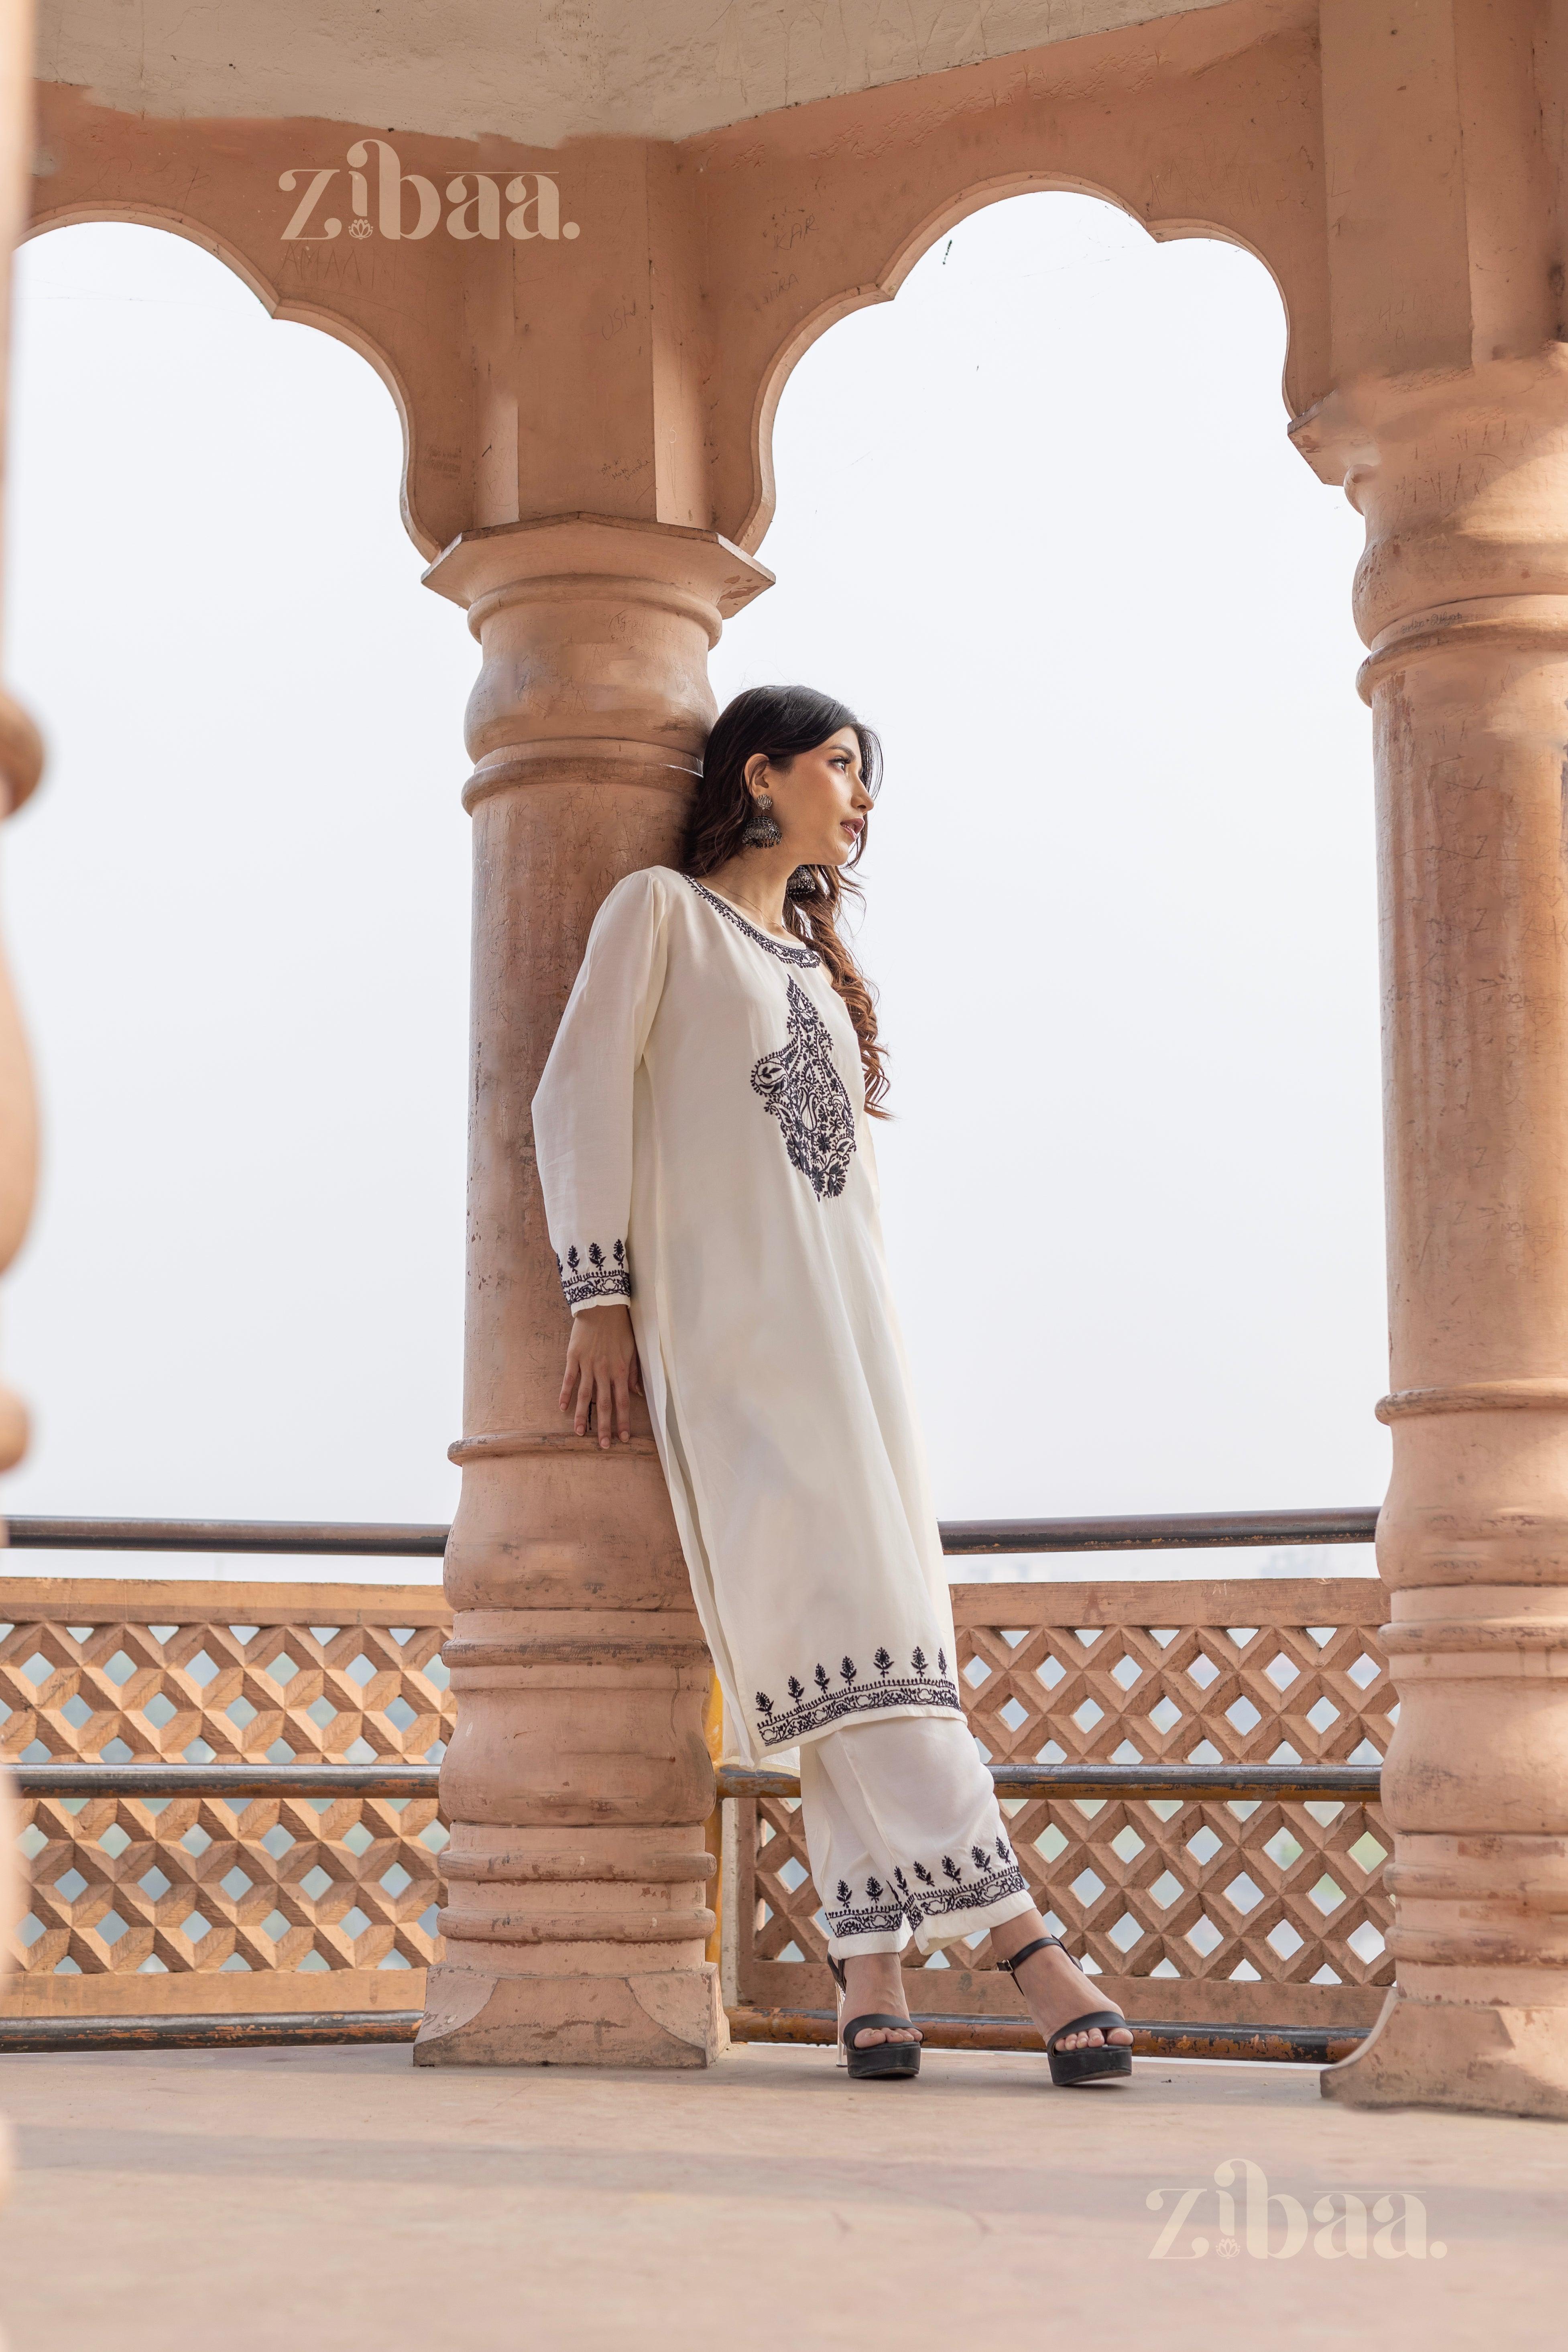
(602,1371)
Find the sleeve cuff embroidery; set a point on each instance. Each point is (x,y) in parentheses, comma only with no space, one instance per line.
(595,1276)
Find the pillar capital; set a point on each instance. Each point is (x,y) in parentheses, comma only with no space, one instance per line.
(1462,475)
(522,562)
(596,631)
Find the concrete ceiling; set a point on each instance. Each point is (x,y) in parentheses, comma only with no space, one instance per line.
(537,71)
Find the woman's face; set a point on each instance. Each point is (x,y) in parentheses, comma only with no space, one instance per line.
(820,801)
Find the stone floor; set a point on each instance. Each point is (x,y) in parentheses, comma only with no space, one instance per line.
(337,2199)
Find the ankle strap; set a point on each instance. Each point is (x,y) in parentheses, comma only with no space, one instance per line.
(1038,1945)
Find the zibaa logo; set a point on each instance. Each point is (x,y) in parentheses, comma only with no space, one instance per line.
(1385,2225)
(475,198)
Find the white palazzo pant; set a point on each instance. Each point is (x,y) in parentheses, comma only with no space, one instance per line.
(905,1836)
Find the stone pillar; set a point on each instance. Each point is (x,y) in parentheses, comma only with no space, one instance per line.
(21,753)
(1462,597)
(578,1781)
(21,760)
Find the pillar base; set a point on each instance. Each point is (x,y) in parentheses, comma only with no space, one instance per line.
(668,2017)
(1436,2053)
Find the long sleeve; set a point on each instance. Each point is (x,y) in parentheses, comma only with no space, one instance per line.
(583,1108)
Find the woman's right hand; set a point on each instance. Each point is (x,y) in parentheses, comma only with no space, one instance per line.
(602,1371)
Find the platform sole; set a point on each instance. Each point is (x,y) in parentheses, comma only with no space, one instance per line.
(1069,2067)
(885,2062)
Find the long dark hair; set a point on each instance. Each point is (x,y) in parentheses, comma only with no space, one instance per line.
(779,721)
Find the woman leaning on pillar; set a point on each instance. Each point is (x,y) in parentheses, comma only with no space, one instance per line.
(704,1127)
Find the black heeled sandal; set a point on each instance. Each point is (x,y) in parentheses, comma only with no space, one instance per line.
(884,2061)
(1093,2064)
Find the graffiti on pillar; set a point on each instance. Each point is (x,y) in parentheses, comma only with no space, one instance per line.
(387,201)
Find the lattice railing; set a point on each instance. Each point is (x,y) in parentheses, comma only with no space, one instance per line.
(321,1674)
(122,1887)
(1239,1910)
(1235,1910)
(187,1902)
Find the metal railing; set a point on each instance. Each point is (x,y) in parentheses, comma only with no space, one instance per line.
(349,1539)
(1290,1783)
(961,1539)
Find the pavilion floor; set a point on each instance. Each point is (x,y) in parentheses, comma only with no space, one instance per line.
(336,2198)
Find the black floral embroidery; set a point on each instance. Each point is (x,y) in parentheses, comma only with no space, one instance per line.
(868,1920)
(800,1085)
(876,1917)
(780,1727)
(880,1919)
(595,1276)
(806,957)
(943,1902)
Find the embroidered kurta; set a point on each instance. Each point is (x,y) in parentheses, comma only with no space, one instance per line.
(705,1155)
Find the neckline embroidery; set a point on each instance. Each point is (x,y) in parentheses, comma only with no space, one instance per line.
(806,957)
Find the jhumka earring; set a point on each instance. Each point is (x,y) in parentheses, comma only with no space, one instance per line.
(802,883)
(763,828)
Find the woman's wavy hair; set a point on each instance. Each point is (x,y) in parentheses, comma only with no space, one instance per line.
(779,721)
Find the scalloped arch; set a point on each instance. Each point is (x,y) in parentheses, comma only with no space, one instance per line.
(912,246)
(275,305)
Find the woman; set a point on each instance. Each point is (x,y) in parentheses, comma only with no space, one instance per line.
(705,1154)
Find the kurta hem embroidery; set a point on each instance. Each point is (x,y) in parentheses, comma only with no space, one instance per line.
(806,1716)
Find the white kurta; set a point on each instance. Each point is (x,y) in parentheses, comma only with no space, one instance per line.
(704,1154)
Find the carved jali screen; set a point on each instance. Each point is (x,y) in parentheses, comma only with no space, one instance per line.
(188,1903)
(1230,1910)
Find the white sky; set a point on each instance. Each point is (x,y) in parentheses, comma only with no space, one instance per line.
(1039,523)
